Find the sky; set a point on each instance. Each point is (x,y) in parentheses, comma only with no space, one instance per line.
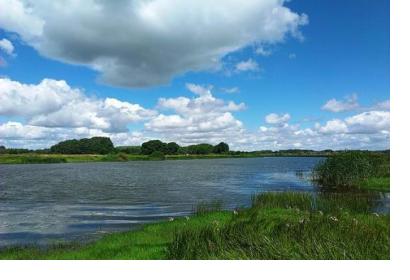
(262,74)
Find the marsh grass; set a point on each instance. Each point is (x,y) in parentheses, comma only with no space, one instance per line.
(291,226)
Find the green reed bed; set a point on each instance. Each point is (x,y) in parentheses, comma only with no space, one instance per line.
(369,170)
(276,226)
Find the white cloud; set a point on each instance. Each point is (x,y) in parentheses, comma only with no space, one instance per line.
(247,65)
(163,38)
(260,50)
(199,90)
(292,56)
(54,103)
(348,104)
(6,46)
(276,119)
(54,111)
(369,122)
(333,127)
(231,90)
(384,105)
(367,130)
(16,130)
(199,119)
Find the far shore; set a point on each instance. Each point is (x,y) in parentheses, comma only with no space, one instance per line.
(32,158)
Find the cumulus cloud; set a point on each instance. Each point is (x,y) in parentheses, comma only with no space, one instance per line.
(276,119)
(247,65)
(53,111)
(139,43)
(53,103)
(369,122)
(204,118)
(348,104)
(6,46)
(16,134)
(367,130)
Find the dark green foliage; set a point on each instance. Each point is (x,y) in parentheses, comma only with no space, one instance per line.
(172,148)
(151,146)
(200,149)
(94,145)
(221,148)
(131,150)
(349,169)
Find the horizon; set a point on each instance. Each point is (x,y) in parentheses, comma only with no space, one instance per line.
(267,75)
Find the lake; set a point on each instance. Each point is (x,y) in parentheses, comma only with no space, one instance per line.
(43,203)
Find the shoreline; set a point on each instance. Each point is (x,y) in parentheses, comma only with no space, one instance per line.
(83,158)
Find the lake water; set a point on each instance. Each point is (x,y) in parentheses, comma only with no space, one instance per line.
(43,203)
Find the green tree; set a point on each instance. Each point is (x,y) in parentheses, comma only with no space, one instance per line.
(221,148)
(200,149)
(151,146)
(94,145)
(172,148)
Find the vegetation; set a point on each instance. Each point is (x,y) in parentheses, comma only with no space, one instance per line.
(102,149)
(276,226)
(157,155)
(355,169)
(94,145)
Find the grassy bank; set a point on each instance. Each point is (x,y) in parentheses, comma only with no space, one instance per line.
(276,226)
(61,158)
(355,169)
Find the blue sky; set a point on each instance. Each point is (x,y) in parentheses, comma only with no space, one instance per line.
(327,50)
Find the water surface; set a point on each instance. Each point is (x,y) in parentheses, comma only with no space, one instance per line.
(43,203)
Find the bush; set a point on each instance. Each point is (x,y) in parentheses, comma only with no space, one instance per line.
(350,168)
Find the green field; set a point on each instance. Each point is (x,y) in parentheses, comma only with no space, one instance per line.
(276,226)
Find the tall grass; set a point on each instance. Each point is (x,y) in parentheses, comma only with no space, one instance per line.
(324,202)
(290,226)
(351,168)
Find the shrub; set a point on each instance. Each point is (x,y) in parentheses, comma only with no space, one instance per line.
(350,168)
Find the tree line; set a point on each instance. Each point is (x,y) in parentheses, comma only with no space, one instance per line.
(104,145)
